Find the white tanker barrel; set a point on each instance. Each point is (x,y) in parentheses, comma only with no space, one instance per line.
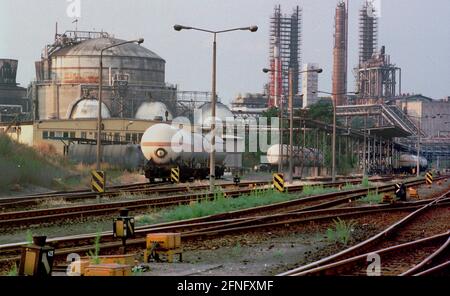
(220,154)
(410,161)
(312,157)
(163,144)
(156,143)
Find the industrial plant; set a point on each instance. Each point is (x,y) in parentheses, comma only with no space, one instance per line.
(61,105)
(324,161)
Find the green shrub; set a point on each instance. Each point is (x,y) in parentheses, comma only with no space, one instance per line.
(309,190)
(26,166)
(341,232)
(95,258)
(365,182)
(371,197)
(219,204)
(29,237)
(13,270)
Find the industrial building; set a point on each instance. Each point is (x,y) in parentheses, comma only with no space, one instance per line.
(249,105)
(285,53)
(378,79)
(310,84)
(14,103)
(67,78)
(61,133)
(433,116)
(368,31)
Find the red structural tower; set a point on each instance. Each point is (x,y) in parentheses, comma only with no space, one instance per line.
(340,54)
(285,41)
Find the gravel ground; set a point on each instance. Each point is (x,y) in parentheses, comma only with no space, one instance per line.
(259,253)
(269,252)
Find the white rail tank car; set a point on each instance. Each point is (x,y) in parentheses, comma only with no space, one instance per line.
(407,163)
(166,147)
(312,157)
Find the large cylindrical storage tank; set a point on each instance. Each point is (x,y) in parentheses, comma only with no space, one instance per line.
(312,157)
(69,69)
(79,63)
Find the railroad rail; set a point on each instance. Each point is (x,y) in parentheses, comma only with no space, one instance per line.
(211,226)
(28,217)
(129,189)
(345,260)
(141,188)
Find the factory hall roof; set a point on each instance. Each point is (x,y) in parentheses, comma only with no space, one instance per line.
(92,47)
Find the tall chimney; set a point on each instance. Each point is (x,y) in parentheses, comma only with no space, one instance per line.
(340,55)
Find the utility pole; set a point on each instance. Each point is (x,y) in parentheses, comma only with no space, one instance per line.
(291,124)
(418,151)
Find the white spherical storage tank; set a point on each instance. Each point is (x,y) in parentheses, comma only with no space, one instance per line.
(88,108)
(153,111)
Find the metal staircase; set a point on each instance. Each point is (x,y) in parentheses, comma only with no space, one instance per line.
(391,115)
(403,118)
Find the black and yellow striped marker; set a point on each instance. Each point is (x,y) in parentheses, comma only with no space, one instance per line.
(429,178)
(278,182)
(175,175)
(98,181)
(130,227)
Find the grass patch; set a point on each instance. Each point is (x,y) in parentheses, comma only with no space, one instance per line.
(237,250)
(94,256)
(29,237)
(372,197)
(349,186)
(221,204)
(365,182)
(218,204)
(341,232)
(13,270)
(26,165)
(309,190)
(278,254)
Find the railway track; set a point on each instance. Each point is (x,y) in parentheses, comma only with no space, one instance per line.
(209,226)
(397,245)
(144,189)
(23,218)
(138,188)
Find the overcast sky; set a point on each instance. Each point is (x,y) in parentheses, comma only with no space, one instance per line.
(416,34)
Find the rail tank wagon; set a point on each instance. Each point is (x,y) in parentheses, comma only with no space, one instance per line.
(166,147)
(407,163)
(127,156)
(312,157)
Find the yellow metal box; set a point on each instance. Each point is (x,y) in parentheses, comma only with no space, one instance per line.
(164,240)
(108,270)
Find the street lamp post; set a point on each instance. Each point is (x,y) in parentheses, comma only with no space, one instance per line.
(291,120)
(100,89)
(333,142)
(212,157)
(418,151)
